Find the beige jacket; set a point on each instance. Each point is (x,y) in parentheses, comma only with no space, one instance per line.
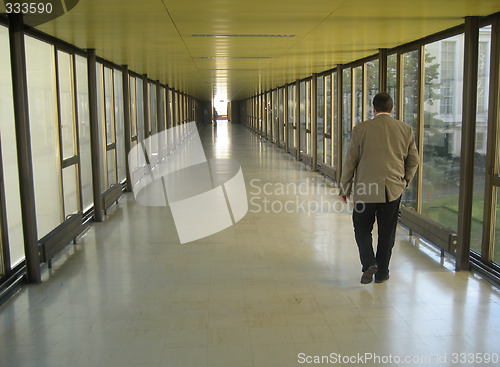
(382,158)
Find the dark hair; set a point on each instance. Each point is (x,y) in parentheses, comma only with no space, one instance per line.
(382,102)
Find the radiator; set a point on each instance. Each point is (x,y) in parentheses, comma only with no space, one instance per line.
(59,237)
(328,171)
(437,234)
(111,196)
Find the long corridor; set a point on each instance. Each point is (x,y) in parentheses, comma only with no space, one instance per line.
(280,288)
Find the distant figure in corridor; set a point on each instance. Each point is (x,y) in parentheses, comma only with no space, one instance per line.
(381,161)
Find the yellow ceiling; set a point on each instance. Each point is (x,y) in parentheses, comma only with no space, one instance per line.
(155,37)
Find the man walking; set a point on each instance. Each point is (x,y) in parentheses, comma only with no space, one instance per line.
(381,161)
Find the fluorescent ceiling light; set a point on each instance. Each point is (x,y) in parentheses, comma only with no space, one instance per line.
(235,57)
(244,35)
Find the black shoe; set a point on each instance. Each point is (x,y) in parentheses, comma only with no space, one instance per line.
(381,279)
(367,276)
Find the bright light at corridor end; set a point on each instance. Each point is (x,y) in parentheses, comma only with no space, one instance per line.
(220,104)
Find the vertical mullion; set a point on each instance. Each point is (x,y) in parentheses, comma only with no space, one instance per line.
(126,123)
(286,136)
(94,135)
(469,111)
(314,122)
(145,103)
(340,119)
(382,70)
(113,117)
(77,133)
(364,94)
(297,119)
(59,128)
(399,85)
(353,98)
(420,124)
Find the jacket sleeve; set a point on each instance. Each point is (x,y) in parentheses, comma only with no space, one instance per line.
(350,165)
(412,160)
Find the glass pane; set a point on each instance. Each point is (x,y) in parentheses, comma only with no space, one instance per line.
(140,109)
(110,155)
(410,113)
(442,130)
(44,134)
(84,132)
(70,186)
(372,87)
(481,137)
(269,116)
(67,103)
(496,223)
(302,118)
(281,114)
(101,113)
(161,122)
(291,121)
(153,111)
(358,94)
(169,109)
(392,82)
(320,111)
(346,111)
(328,119)
(9,155)
(109,106)
(276,115)
(119,126)
(133,107)
(335,134)
(308,116)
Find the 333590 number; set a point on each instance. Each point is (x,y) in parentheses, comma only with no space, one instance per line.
(28,8)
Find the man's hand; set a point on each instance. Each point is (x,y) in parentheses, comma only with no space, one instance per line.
(344,198)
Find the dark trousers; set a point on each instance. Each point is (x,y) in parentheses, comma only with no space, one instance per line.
(363,217)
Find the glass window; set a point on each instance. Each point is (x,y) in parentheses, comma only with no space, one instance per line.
(140,109)
(302,118)
(133,106)
(320,117)
(346,111)
(335,134)
(67,105)
(101,118)
(109,106)
(392,81)
(442,130)
(496,224)
(410,113)
(119,125)
(291,114)
(9,155)
(281,114)
(71,196)
(41,79)
(84,131)
(358,94)
(161,121)
(328,119)
(481,138)
(372,87)
(153,111)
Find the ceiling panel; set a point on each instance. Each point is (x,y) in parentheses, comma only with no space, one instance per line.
(163,39)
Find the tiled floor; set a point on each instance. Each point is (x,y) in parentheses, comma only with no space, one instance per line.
(278,289)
